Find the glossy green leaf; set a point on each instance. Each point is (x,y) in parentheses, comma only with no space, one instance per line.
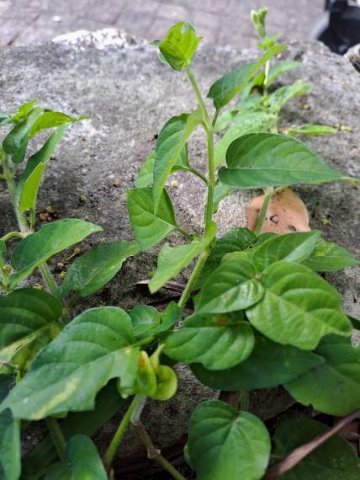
(231,287)
(294,247)
(28,321)
(179,45)
(266,159)
(244,123)
(298,307)
(280,68)
(144,318)
(216,341)
(30,179)
(333,460)
(16,141)
(10,450)
(269,365)
(96,267)
(145,176)
(52,119)
(172,260)
(225,89)
(169,146)
(224,443)
(239,239)
(83,462)
(311,129)
(333,387)
(150,228)
(278,99)
(51,239)
(97,345)
(329,257)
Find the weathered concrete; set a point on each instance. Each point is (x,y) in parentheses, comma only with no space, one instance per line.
(129,95)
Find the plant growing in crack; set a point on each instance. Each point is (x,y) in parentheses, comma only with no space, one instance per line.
(261,314)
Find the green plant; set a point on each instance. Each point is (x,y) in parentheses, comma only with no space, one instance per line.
(262,316)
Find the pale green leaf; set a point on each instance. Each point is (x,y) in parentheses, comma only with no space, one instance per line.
(311,129)
(23,111)
(227,444)
(298,307)
(179,45)
(96,267)
(334,386)
(216,341)
(10,449)
(52,119)
(145,176)
(97,345)
(150,228)
(278,99)
(172,260)
(266,159)
(51,239)
(280,68)
(329,257)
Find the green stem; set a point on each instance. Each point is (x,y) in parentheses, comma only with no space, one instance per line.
(199,97)
(57,437)
(48,277)
(11,235)
(262,214)
(115,442)
(211,183)
(198,174)
(213,123)
(192,280)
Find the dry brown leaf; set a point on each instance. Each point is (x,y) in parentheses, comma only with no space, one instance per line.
(286,213)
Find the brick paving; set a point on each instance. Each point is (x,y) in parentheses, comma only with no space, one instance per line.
(224,22)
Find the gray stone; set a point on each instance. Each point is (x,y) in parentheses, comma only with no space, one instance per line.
(128,96)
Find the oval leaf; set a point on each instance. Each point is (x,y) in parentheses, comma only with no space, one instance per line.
(232,286)
(10,451)
(298,308)
(179,45)
(96,346)
(216,341)
(97,267)
(268,160)
(333,387)
(51,239)
(224,443)
(329,257)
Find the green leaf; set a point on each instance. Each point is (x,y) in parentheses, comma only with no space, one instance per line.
(23,111)
(96,267)
(83,462)
(4,118)
(144,319)
(277,100)
(30,179)
(10,450)
(269,365)
(334,460)
(150,228)
(280,68)
(244,123)
(293,247)
(51,239)
(225,89)
(216,341)
(97,345)
(298,308)
(239,239)
(333,387)
(329,257)
(270,160)
(145,176)
(28,321)
(16,141)
(52,119)
(258,18)
(224,443)
(231,287)
(169,146)
(172,260)
(221,191)
(179,45)
(7,382)
(311,129)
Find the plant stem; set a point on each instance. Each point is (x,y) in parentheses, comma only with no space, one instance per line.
(192,280)
(199,97)
(57,437)
(154,453)
(262,214)
(11,235)
(48,277)
(211,181)
(115,442)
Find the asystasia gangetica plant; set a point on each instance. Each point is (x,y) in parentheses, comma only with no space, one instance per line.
(261,314)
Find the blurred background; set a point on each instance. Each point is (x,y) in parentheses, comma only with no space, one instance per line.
(221,22)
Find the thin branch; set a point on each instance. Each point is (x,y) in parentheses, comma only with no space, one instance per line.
(300,453)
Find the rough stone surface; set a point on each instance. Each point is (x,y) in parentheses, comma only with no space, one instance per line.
(129,95)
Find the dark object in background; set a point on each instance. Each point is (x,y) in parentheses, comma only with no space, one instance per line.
(343,29)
